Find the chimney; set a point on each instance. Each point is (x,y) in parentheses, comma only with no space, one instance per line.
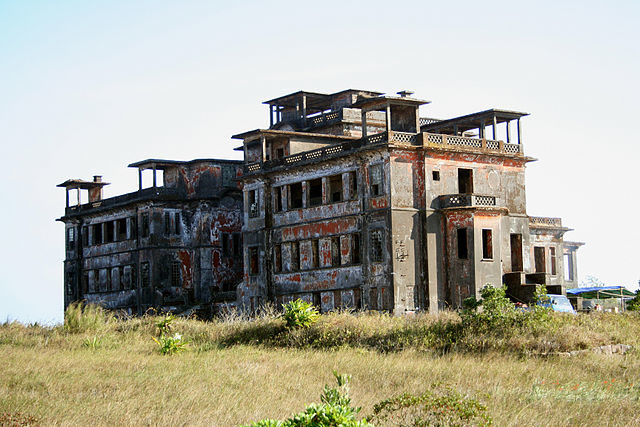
(97,178)
(95,192)
(405,93)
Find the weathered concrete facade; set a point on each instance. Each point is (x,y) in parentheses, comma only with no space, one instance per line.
(175,244)
(353,200)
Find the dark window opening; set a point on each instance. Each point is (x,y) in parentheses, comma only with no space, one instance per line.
(122,283)
(538,255)
(253,261)
(315,259)
(253,203)
(133,224)
(145,225)
(336,253)
(122,229)
(516,252)
(487,244)
(295,195)
(71,278)
(552,258)
(279,153)
(225,245)
(85,236)
(228,176)
(355,248)
(236,244)
(178,224)
(295,256)
(463,248)
(109,279)
(335,188)
(376,245)
(317,300)
(85,282)
(134,276)
(278,194)
(376,180)
(97,234)
(167,223)
(315,192)
(277,258)
(436,175)
(71,237)
(373,298)
(145,274)
(353,185)
(110,231)
(465,181)
(176,280)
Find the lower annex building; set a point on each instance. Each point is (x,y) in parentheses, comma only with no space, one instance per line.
(347,200)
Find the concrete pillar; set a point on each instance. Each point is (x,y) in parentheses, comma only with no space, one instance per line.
(263,140)
(155,184)
(139,179)
(388,118)
(364,123)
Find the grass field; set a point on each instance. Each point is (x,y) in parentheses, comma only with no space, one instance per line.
(235,371)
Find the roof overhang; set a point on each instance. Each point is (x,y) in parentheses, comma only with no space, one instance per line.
(473,121)
(72,184)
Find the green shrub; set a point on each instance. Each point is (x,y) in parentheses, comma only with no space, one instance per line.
(299,314)
(335,410)
(164,324)
(80,317)
(170,345)
(634,303)
(441,406)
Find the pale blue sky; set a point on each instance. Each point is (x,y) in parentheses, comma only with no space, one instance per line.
(88,87)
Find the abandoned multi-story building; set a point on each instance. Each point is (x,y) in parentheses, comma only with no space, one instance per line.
(347,200)
(352,199)
(176,243)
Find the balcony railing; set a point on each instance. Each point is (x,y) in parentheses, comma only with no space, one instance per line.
(427,121)
(436,140)
(543,221)
(466,201)
(161,193)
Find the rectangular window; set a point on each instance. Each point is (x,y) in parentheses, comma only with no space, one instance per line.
(373,298)
(277,258)
(146,228)
(71,238)
(552,258)
(109,281)
(97,234)
(435,175)
(568,267)
(487,244)
(121,229)
(295,196)
(254,267)
(353,185)
(167,223)
(538,256)
(376,240)
(336,257)
(236,244)
(355,248)
(122,283)
(133,225)
(375,172)
(134,276)
(315,259)
(295,256)
(85,282)
(279,153)
(110,233)
(463,248)
(315,192)
(145,275)
(278,199)
(228,176)
(252,203)
(335,188)
(225,245)
(177,226)
(70,282)
(85,236)
(176,279)
(465,181)
(516,252)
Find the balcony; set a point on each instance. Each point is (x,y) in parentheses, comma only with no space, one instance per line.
(544,222)
(152,193)
(452,201)
(462,143)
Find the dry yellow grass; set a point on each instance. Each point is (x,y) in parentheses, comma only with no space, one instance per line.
(119,378)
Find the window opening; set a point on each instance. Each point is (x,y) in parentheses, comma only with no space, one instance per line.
(253,203)
(225,245)
(538,255)
(278,191)
(335,188)
(315,261)
(552,258)
(122,229)
(175,274)
(355,248)
(110,231)
(465,181)
(253,261)
(167,223)
(463,249)
(375,240)
(97,234)
(85,236)
(373,298)
(295,256)
(236,244)
(145,225)
(295,195)
(353,185)
(277,255)
(376,180)
(336,258)
(436,175)
(178,224)
(516,252)
(315,192)
(487,244)
(146,274)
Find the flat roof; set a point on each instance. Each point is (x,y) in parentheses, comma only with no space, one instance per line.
(273,132)
(314,99)
(474,120)
(163,164)
(81,184)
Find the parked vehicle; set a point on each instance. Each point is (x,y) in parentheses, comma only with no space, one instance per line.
(559,303)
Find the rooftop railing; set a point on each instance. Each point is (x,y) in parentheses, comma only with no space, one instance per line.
(436,140)
(543,221)
(145,193)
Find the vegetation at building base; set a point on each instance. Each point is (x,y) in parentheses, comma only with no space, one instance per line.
(238,370)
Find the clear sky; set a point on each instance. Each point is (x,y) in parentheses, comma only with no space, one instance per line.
(87,87)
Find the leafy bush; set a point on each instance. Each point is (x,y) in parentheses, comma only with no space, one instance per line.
(634,303)
(170,345)
(80,317)
(335,410)
(164,324)
(299,314)
(441,406)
